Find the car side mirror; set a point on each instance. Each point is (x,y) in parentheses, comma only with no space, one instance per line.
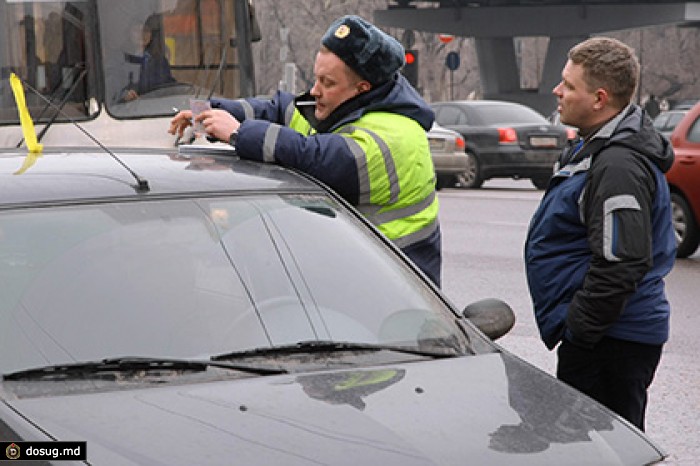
(492,316)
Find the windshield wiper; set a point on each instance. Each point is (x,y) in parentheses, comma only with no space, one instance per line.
(327,346)
(132,364)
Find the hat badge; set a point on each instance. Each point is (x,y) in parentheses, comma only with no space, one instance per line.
(342,31)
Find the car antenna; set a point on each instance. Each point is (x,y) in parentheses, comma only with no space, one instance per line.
(141,183)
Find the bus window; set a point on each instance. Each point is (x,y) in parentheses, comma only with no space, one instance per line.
(112,65)
(158,54)
(49,45)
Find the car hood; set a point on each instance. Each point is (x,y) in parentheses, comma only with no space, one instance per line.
(489,409)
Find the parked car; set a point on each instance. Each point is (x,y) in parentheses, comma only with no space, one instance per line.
(186,307)
(685,104)
(504,140)
(665,122)
(447,151)
(684,181)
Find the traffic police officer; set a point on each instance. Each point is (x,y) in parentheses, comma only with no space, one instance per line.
(361,130)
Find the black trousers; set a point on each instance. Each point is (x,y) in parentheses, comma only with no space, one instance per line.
(616,373)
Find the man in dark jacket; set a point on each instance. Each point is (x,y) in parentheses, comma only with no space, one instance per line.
(601,242)
(361,129)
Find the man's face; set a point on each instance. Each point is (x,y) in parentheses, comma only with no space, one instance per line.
(334,84)
(576,102)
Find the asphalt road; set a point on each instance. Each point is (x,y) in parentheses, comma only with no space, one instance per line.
(483,235)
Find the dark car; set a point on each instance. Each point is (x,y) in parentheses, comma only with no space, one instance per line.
(188,307)
(684,180)
(665,122)
(504,140)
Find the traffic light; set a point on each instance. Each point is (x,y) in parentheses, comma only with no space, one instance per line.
(410,69)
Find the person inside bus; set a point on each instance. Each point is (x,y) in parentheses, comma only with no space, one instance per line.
(361,129)
(153,65)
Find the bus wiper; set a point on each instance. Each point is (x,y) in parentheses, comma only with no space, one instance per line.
(59,109)
(131,364)
(327,346)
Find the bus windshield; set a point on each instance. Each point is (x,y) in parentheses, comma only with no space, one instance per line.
(130,59)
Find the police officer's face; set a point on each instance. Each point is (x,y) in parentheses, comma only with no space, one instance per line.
(335,83)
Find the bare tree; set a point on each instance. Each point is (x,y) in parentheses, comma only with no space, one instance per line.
(306,22)
(670,55)
(670,58)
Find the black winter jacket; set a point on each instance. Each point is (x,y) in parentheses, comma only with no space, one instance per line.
(601,242)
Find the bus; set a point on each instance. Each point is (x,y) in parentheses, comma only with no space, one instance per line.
(119,69)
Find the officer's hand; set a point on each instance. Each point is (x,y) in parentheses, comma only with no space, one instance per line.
(218,123)
(182,120)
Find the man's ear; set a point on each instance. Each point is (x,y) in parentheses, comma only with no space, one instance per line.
(602,98)
(363,86)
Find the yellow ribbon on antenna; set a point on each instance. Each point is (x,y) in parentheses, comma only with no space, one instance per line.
(24,118)
(29,160)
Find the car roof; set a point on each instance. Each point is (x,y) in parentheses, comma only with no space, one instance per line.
(79,174)
(478,103)
(675,111)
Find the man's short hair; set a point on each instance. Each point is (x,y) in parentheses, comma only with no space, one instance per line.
(609,64)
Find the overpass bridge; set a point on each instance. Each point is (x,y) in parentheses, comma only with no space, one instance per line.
(495,23)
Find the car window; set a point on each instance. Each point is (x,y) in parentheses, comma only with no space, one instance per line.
(193,278)
(674,119)
(508,114)
(660,121)
(694,131)
(451,115)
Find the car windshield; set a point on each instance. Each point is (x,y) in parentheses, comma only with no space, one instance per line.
(193,278)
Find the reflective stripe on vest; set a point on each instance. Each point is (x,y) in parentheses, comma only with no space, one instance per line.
(401,220)
(417,236)
(404,224)
(394,188)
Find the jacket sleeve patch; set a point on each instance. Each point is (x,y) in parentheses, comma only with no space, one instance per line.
(622,224)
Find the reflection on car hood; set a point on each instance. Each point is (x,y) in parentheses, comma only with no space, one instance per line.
(490,409)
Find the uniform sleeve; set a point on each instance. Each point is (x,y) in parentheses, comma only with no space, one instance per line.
(278,109)
(327,157)
(616,208)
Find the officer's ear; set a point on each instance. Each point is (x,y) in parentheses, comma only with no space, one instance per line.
(363,86)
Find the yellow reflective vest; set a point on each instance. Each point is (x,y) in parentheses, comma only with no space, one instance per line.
(395,171)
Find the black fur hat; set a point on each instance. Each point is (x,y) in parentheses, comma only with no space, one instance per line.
(367,50)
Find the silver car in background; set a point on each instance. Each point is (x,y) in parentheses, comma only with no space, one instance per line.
(449,157)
